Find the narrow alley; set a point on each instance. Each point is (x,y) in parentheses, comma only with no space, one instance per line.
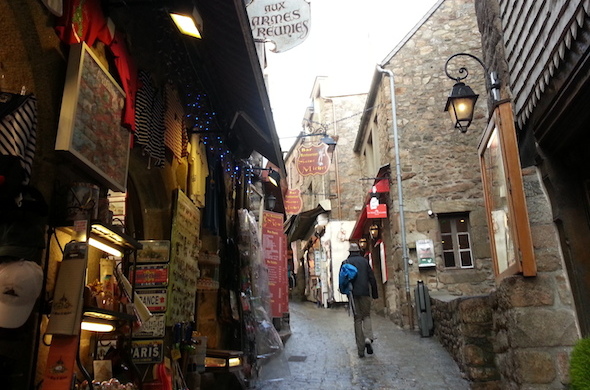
(321,354)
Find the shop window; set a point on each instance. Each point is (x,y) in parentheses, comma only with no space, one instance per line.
(455,240)
(510,234)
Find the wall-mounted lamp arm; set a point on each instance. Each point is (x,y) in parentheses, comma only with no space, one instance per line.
(494,81)
(461,70)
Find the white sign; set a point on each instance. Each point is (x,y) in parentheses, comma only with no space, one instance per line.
(425,251)
(154,327)
(285,23)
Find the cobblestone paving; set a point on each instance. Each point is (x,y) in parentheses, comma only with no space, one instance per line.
(321,354)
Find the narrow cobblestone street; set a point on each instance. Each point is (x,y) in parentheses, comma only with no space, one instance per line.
(321,354)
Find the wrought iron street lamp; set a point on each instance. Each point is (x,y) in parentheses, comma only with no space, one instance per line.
(271,202)
(461,102)
(374,231)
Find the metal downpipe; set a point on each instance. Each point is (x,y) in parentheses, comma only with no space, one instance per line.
(405,256)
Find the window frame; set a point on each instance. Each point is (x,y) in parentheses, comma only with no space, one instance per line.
(456,248)
(515,235)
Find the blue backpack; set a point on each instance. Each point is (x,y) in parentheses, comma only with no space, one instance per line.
(346,276)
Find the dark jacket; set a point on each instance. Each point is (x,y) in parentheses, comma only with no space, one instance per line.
(365,283)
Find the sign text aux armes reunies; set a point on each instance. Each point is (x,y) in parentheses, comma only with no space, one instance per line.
(286,23)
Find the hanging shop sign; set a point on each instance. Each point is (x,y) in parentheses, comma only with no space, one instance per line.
(285,23)
(293,202)
(313,160)
(425,251)
(274,246)
(375,209)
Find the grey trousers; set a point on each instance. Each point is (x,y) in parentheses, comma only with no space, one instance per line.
(363,329)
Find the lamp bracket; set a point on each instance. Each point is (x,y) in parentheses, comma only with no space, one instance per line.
(462,70)
(464,73)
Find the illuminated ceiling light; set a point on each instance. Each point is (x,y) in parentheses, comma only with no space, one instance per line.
(105,248)
(97,325)
(188,22)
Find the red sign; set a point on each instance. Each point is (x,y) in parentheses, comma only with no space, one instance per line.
(380,211)
(150,275)
(274,246)
(293,202)
(313,160)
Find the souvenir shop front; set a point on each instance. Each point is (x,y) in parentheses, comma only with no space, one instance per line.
(123,179)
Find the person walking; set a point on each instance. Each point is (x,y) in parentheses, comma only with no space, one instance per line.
(364,286)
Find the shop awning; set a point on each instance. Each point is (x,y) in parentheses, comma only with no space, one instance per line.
(381,185)
(300,226)
(359,227)
(225,63)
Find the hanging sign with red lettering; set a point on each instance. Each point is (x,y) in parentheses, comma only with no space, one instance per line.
(293,202)
(274,249)
(285,23)
(376,209)
(313,160)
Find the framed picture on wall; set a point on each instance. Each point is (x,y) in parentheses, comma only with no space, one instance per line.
(506,211)
(90,129)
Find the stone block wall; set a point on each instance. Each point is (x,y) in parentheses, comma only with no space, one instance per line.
(535,324)
(529,323)
(439,165)
(463,325)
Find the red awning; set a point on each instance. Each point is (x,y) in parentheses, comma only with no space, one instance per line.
(359,227)
(381,186)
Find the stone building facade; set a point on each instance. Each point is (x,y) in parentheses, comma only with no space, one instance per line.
(35,61)
(506,331)
(336,115)
(439,165)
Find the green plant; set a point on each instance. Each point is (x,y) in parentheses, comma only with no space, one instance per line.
(580,365)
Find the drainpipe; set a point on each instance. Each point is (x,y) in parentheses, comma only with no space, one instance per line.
(405,256)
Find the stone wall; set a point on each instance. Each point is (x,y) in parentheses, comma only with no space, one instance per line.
(534,320)
(345,183)
(439,165)
(535,324)
(526,327)
(464,328)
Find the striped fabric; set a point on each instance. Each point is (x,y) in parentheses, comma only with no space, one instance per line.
(176,138)
(18,128)
(149,119)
